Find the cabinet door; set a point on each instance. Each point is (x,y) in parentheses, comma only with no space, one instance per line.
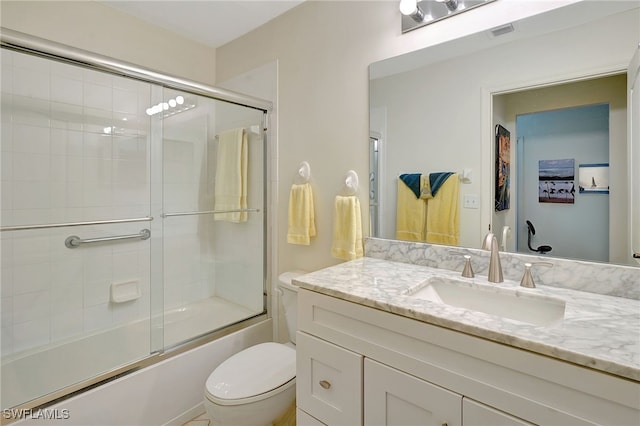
(392,397)
(329,381)
(476,414)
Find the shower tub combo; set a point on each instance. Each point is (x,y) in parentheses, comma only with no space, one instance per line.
(118,248)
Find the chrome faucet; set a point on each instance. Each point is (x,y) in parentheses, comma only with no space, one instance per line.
(495,268)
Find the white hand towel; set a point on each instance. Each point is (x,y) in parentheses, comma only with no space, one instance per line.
(231,175)
(347,228)
(301,216)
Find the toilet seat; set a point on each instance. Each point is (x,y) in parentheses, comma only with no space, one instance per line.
(252,374)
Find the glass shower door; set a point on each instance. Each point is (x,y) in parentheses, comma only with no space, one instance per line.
(75,217)
(213,266)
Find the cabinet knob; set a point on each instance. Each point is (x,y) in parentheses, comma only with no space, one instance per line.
(325,384)
(445,424)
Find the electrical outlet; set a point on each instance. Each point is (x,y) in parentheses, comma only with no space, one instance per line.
(471,201)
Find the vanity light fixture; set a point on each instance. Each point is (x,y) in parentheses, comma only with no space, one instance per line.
(418,13)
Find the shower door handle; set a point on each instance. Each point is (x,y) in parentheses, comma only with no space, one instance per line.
(74,241)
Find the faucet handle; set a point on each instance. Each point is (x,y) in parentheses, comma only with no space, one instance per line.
(527,278)
(467,271)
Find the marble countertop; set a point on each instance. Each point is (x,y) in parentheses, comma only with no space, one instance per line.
(598,331)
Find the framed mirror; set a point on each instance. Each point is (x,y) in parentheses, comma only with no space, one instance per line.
(437,110)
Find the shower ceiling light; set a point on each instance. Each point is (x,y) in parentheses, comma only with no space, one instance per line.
(416,14)
(170,107)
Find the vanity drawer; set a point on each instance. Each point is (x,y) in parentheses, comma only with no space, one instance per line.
(329,381)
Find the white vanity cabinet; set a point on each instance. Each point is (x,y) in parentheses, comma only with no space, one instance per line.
(392,397)
(474,413)
(380,368)
(328,381)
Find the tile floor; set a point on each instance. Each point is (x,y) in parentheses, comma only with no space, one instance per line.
(201,420)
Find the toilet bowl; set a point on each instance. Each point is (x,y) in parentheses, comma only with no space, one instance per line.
(257,385)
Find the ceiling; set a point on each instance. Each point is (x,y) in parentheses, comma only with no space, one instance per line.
(211,22)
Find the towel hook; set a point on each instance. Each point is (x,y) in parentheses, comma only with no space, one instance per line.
(304,172)
(351,183)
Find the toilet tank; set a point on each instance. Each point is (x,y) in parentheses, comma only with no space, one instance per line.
(289,299)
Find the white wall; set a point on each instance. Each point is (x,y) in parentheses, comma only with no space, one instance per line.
(95,27)
(323,49)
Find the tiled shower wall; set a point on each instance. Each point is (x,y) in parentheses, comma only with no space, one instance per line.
(75,147)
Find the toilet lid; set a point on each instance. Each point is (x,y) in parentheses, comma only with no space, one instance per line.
(253,371)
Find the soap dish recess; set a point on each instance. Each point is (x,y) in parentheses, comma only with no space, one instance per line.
(125,291)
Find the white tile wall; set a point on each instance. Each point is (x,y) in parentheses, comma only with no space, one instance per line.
(76,146)
(59,165)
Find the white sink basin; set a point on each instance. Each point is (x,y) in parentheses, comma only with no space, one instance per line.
(506,303)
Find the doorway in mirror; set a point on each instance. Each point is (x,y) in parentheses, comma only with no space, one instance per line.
(582,122)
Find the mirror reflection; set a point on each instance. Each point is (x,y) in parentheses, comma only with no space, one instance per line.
(518,122)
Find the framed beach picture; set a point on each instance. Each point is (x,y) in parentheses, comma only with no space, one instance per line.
(556,181)
(594,178)
(503,168)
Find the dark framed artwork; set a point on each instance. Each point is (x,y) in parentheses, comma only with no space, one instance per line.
(503,168)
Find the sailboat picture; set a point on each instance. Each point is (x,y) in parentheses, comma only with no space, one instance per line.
(594,178)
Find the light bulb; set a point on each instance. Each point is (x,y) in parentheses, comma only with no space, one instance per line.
(408,7)
(179,100)
(172,103)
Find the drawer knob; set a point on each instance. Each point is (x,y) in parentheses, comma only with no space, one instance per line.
(325,384)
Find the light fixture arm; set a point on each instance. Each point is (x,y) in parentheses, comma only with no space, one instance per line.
(418,13)
(451,5)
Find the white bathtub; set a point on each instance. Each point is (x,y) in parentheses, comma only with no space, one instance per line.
(35,373)
(169,393)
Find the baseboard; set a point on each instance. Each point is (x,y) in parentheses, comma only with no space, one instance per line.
(187,415)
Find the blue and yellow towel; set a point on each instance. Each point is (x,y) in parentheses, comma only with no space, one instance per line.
(427,208)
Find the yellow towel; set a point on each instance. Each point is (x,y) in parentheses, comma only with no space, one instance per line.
(231,175)
(301,218)
(443,219)
(347,228)
(411,212)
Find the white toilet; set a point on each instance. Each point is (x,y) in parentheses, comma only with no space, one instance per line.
(257,385)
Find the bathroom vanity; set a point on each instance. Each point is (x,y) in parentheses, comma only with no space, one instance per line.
(384,342)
